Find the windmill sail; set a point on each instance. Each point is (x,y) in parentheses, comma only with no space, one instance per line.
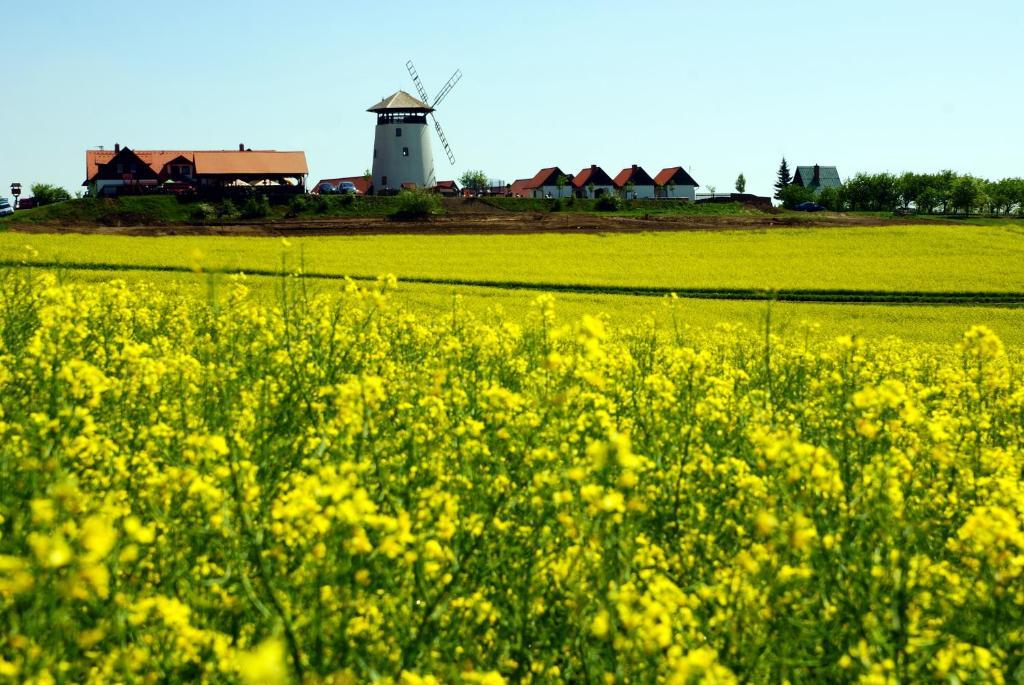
(444,141)
(447,87)
(416,81)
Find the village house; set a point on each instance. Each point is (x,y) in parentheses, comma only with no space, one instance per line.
(593,182)
(207,172)
(675,183)
(817,177)
(544,184)
(639,182)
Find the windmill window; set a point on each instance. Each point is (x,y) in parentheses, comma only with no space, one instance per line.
(398,133)
(375,153)
(405,152)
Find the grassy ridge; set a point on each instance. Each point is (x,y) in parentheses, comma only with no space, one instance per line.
(895,258)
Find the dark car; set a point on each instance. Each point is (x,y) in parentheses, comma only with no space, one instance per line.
(809,207)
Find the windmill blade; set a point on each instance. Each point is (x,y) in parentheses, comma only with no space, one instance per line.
(447,87)
(416,81)
(444,141)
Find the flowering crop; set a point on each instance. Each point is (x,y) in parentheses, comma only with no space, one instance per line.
(336,490)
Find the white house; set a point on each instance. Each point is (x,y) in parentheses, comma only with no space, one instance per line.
(674,182)
(544,184)
(593,182)
(642,184)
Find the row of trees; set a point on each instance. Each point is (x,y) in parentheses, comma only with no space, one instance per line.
(945,192)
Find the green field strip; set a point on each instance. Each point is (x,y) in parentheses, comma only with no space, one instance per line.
(825,296)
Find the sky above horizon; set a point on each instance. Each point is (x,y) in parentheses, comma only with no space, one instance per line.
(717,88)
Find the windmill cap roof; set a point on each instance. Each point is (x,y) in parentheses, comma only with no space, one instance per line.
(402,101)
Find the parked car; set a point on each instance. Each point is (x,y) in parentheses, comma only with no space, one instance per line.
(809,207)
(348,187)
(5,207)
(327,189)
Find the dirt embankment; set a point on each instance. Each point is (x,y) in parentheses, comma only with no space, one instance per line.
(483,220)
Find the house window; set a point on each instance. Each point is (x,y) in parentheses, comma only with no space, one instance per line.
(384,181)
(120,168)
(405,152)
(398,133)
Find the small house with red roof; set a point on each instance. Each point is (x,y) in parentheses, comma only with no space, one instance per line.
(635,184)
(593,182)
(675,182)
(447,188)
(544,184)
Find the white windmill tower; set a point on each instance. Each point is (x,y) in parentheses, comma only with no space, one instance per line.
(401,143)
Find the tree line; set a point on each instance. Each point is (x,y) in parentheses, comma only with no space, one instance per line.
(945,192)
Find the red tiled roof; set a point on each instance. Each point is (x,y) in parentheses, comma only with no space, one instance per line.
(675,174)
(634,173)
(592,174)
(547,176)
(226,162)
(446,185)
(521,187)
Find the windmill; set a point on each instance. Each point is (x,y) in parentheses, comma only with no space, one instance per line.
(402,154)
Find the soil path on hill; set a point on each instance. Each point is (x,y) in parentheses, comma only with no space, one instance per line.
(483,221)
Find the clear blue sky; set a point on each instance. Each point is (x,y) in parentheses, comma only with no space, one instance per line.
(720,88)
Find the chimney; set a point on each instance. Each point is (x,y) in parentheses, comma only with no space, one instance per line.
(634,167)
(117,147)
(241,147)
(817,174)
(593,166)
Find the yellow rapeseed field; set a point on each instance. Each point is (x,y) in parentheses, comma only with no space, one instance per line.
(332,489)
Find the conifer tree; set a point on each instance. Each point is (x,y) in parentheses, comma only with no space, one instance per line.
(784,179)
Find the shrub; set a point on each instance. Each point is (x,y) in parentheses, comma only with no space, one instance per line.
(226,209)
(795,194)
(416,204)
(297,205)
(255,207)
(608,203)
(556,206)
(202,212)
(47,194)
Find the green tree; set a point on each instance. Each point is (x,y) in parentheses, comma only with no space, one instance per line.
(741,184)
(47,194)
(475,179)
(783,179)
(967,194)
(831,199)
(562,181)
(794,194)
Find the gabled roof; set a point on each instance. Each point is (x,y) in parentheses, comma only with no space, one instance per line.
(446,185)
(155,159)
(592,174)
(362,183)
(636,174)
(250,162)
(676,175)
(217,162)
(401,101)
(548,176)
(520,187)
(828,177)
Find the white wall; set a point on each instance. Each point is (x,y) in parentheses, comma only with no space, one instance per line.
(681,192)
(640,192)
(592,193)
(544,191)
(389,161)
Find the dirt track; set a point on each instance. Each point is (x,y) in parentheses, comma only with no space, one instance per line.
(488,221)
